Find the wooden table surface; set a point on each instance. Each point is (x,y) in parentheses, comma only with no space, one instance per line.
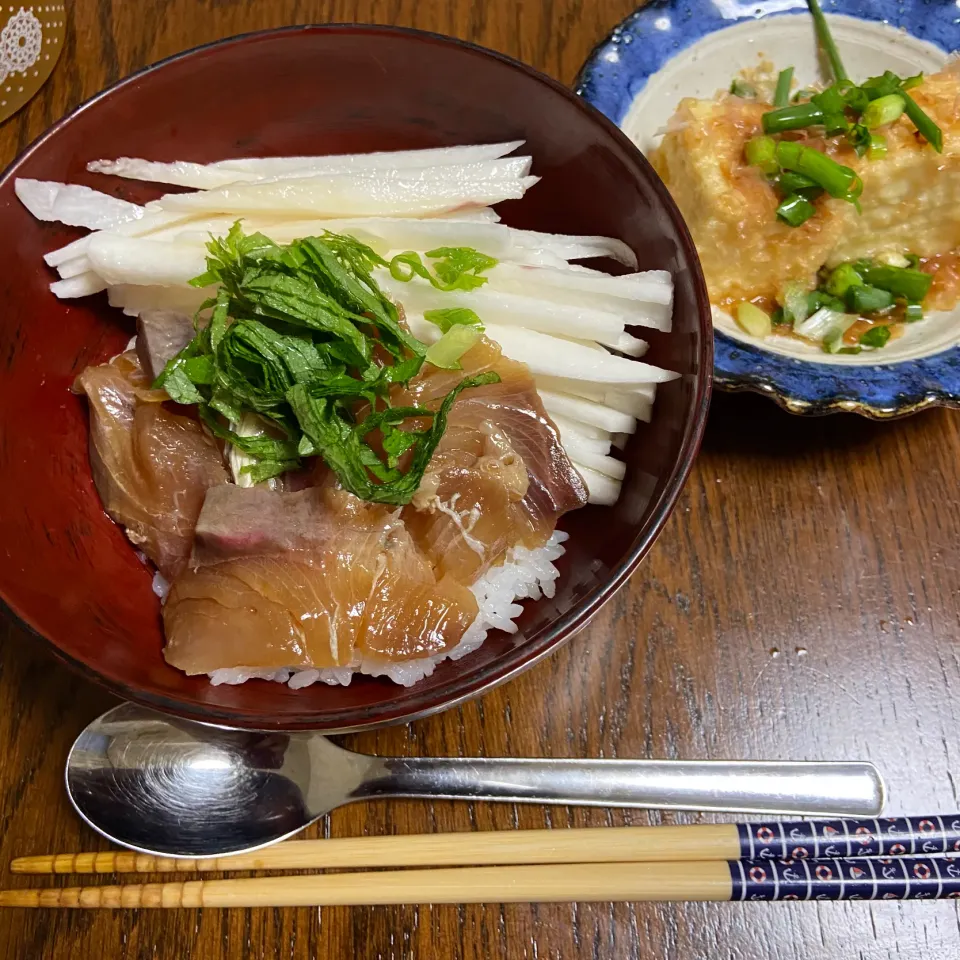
(802,603)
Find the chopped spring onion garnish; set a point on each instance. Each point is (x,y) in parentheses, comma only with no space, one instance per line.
(456,268)
(753,320)
(877,148)
(839,181)
(883,110)
(761,152)
(740,88)
(875,337)
(820,323)
(842,279)
(448,350)
(864,298)
(791,182)
(797,116)
(826,41)
(781,96)
(913,312)
(796,210)
(451,317)
(890,83)
(912,285)
(796,303)
(833,338)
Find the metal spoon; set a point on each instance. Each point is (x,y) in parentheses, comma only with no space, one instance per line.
(172,787)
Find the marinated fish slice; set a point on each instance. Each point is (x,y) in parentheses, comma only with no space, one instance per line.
(498,477)
(151,467)
(315,578)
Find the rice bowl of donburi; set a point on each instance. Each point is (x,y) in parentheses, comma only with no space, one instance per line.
(337,399)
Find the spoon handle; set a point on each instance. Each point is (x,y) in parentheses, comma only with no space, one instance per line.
(841,789)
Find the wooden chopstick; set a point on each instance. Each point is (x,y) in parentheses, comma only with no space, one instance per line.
(843,879)
(513,884)
(899,878)
(577,845)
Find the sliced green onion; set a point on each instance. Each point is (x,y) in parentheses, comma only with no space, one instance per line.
(925,126)
(761,152)
(753,320)
(826,41)
(883,110)
(778,318)
(882,86)
(796,303)
(448,350)
(877,148)
(867,299)
(842,279)
(860,138)
(796,210)
(908,83)
(804,94)
(833,338)
(855,98)
(839,181)
(818,325)
(832,104)
(795,117)
(817,299)
(791,182)
(913,312)
(781,96)
(740,88)
(875,337)
(912,285)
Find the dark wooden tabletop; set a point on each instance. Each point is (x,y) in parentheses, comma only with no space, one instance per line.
(802,603)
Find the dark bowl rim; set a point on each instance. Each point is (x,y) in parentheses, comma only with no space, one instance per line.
(566,626)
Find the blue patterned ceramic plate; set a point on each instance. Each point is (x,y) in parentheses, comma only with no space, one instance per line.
(671,49)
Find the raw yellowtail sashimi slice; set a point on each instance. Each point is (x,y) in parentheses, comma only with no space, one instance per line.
(316,578)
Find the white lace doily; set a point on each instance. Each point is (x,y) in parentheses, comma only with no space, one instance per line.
(20,43)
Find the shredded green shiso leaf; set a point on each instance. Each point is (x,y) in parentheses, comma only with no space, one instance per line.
(302,336)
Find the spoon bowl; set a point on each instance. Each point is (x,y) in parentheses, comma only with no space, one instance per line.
(173,787)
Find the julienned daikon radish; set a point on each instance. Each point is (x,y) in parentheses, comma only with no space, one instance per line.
(608,466)
(471,153)
(74,267)
(586,411)
(603,490)
(652,286)
(346,196)
(585,430)
(134,300)
(144,262)
(82,285)
(496,306)
(598,392)
(574,441)
(551,356)
(211,176)
(147,225)
(576,248)
(74,205)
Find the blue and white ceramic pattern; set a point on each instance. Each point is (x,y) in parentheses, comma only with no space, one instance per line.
(670,49)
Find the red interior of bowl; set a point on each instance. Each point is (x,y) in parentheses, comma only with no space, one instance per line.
(70,573)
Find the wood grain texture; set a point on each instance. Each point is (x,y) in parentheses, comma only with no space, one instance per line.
(802,603)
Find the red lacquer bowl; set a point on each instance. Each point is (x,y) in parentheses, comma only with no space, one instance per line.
(69,573)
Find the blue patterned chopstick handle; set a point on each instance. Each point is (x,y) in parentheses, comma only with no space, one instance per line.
(886,837)
(914,878)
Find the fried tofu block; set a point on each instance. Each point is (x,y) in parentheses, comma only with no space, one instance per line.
(910,201)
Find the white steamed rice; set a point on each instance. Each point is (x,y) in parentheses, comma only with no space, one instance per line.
(525,575)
